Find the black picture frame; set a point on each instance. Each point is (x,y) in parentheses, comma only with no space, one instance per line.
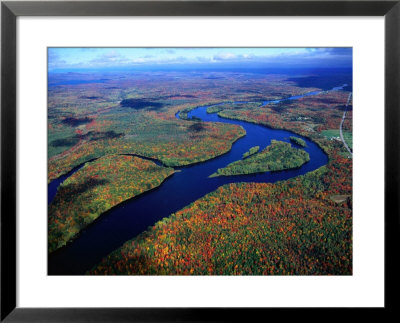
(10,10)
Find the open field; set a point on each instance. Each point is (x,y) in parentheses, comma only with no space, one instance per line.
(334,134)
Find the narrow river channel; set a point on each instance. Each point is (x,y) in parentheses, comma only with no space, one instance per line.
(130,218)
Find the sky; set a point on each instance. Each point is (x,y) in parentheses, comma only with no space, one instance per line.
(65,59)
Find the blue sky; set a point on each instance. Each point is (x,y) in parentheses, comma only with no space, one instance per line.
(104,58)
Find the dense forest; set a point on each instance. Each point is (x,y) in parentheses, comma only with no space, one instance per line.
(277,156)
(96,188)
(288,228)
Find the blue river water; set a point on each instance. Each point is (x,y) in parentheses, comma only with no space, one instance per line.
(132,217)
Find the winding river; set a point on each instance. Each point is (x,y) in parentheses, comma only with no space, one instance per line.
(130,218)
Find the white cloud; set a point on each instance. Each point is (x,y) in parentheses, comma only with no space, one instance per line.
(224,56)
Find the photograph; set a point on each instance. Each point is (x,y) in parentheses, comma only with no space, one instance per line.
(166,161)
(200,161)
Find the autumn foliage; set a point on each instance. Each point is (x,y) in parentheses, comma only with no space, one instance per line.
(288,228)
(96,188)
(295,227)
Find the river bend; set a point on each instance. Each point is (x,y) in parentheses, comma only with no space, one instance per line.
(132,217)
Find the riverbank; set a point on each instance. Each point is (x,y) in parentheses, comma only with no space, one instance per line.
(95,188)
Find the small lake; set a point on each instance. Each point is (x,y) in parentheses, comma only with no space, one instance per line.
(132,217)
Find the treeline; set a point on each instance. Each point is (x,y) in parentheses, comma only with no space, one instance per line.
(298,141)
(251,151)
